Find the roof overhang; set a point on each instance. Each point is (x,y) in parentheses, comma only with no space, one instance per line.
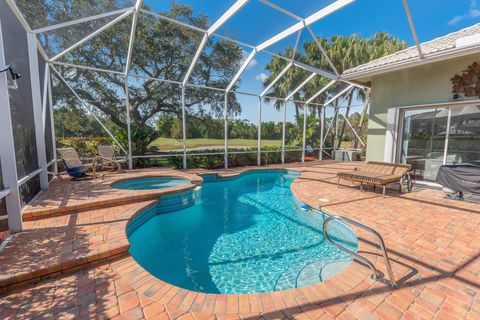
(449,54)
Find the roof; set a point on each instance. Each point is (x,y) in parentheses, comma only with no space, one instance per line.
(443,46)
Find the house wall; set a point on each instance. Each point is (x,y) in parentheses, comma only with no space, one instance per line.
(419,85)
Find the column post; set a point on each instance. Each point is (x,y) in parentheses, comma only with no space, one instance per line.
(259,152)
(7,152)
(37,108)
(184,130)
(225,112)
(305,113)
(283,131)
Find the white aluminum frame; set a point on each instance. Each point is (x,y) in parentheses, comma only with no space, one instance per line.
(214,27)
(93,34)
(305,114)
(353,129)
(87,108)
(318,71)
(7,152)
(277,78)
(322,128)
(25,25)
(284,122)
(225,131)
(81,20)
(259,132)
(325,88)
(45,96)
(241,70)
(41,103)
(338,95)
(52,123)
(37,108)
(337,5)
(412,28)
(300,86)
(131,42)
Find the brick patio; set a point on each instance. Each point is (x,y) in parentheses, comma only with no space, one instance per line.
(74,262)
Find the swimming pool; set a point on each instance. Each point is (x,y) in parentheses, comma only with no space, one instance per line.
(240,235)
(150,183)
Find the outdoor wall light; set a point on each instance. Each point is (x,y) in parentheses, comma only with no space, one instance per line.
(14,77)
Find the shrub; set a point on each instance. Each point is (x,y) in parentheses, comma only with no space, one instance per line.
(212,161)
(198,160)
(176,162)
(241,159)
(141,138)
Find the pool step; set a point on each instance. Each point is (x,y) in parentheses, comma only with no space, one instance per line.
(167,203)
(309,272)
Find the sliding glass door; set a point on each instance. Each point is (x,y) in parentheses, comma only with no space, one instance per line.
(426,143)
(423,141)
(464,136)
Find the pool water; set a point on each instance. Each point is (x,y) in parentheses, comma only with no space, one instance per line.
(242,235)
(150,183)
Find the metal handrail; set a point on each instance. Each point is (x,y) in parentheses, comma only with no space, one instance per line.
(356,255)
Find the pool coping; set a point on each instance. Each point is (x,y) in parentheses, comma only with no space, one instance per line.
(131,196)
(166,292)
(137,220)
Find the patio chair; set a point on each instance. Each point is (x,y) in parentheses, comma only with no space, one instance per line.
(106,158)
(75,166)
(109,157)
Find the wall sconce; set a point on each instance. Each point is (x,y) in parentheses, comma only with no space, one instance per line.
(13,76)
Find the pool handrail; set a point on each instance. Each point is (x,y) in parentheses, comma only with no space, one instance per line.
(356,255)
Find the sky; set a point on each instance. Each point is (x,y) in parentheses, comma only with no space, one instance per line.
(257,22)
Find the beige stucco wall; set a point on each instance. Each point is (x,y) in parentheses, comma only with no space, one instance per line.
(419,85)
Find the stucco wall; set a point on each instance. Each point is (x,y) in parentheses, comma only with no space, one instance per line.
(420,85)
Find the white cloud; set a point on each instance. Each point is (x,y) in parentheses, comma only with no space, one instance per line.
(261,77)
(252,64)
(473,12)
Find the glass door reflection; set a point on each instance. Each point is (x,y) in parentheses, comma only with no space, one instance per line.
(423,141)
(464,136)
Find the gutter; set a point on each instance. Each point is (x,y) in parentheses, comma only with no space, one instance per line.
(427,58)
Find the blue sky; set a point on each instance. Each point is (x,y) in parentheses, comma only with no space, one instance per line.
(257,22)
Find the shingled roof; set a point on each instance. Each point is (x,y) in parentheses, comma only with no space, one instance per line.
(451,43)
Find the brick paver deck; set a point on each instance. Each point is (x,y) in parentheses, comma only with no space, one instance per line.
(433,243)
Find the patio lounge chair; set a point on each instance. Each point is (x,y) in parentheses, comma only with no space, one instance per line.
(77,169)
(108,156)
(378,173)
(75,166)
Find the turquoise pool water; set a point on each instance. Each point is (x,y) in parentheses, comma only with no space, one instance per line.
(241,235)
(150,183)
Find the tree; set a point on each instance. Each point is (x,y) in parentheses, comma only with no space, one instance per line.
(74,121)
(162,50)
(345,52)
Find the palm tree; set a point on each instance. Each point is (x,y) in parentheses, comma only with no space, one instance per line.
(345,52)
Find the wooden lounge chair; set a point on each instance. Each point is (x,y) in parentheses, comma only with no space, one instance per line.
(378,173)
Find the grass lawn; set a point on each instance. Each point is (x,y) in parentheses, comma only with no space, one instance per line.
(175,144)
